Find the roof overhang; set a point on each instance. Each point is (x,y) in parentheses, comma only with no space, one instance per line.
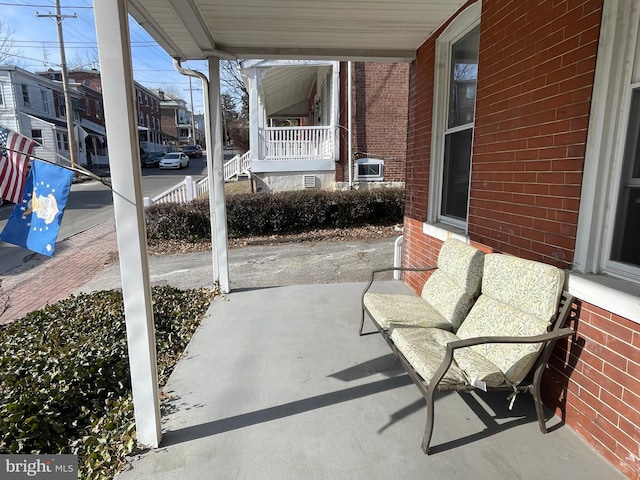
(285,86)
(361,30)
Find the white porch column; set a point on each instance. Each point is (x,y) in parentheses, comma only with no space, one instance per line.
(215,164)
(335,109)
(254,116)
(112,29)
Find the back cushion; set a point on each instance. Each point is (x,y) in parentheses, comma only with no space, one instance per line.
(453,287)
(519,298)
(531,287)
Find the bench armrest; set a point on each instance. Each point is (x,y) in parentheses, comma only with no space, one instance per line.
(392,269)
(468,342)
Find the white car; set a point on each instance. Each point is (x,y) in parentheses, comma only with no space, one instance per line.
(174,160)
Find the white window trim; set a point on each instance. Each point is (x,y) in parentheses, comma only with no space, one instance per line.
(603,166)
(460,26)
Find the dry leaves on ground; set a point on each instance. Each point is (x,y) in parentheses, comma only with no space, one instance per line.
(327,235)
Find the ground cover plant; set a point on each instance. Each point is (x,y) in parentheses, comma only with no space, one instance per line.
(65,379)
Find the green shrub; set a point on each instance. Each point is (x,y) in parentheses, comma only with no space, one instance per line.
(277,213)
(65,378)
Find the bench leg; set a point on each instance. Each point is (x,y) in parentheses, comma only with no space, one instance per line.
(537,398)
(428,430)
(361,322)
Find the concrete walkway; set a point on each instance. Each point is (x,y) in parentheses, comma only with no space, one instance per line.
(277,384)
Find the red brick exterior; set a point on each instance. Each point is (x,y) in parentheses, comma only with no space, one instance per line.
(379,109)
(535,81)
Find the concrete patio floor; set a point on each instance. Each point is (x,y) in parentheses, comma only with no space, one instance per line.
(277,384)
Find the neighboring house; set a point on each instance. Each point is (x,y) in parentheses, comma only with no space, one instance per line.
(177,128)
(147,106)
(89,129)
(299,125)
(34,106)
(524,119)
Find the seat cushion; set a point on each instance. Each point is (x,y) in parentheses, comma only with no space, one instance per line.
(489,317)
(386,308)
(425,348)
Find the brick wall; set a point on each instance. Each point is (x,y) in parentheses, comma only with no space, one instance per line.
(534,96)
(379,109)
(593,383)
(535,78)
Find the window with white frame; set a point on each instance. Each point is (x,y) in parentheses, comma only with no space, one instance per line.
(25,95)
(1,96)
(454,110)
(63,141)
(45,101)
(608,236)
(98,109)
(36,135)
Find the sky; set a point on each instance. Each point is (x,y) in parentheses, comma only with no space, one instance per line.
(35,44)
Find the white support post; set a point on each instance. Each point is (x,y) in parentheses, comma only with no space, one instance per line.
(119,108)
(215,164)
(255,143)
(190,187)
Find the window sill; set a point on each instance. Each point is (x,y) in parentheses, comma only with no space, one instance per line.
(611,294)
(442,231)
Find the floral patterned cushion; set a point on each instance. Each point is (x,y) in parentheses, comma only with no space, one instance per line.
(531,287)
(446,296)
(407,309)
(491,318)
(424,349)
(453,287)
(519,298)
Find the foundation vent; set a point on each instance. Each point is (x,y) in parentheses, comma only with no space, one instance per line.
(309,181)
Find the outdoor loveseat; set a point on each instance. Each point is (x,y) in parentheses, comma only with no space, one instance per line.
(502,341)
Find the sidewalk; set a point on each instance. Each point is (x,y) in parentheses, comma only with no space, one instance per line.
(42,280)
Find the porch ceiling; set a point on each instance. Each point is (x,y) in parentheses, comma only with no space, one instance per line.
(286,90)
(294,29)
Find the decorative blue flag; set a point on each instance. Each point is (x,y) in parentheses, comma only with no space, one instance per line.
(35,220)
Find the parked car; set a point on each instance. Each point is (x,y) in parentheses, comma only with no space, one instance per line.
(174,160)
(192,151)
(152,159)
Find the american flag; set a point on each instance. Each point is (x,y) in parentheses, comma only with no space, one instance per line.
(15,150)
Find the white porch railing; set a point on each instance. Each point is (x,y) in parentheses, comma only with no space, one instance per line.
(184,192)
(238,165)
(298,143)
(188,189)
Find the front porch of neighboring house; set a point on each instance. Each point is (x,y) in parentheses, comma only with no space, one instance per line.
(293,131)
(52,140)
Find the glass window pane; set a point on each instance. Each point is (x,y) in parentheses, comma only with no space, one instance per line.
(626,238)
(464,74)
(628,229)
(455,182)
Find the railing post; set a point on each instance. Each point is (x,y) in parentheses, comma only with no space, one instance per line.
(189,187)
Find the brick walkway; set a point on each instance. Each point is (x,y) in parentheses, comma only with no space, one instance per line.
(47,280)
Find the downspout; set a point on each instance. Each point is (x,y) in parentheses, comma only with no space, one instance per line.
(216,187)
(349,125)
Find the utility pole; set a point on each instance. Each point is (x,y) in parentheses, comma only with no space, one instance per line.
(65,80)
(193,124)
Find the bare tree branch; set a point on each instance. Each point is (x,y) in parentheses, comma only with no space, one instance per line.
(9,54)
